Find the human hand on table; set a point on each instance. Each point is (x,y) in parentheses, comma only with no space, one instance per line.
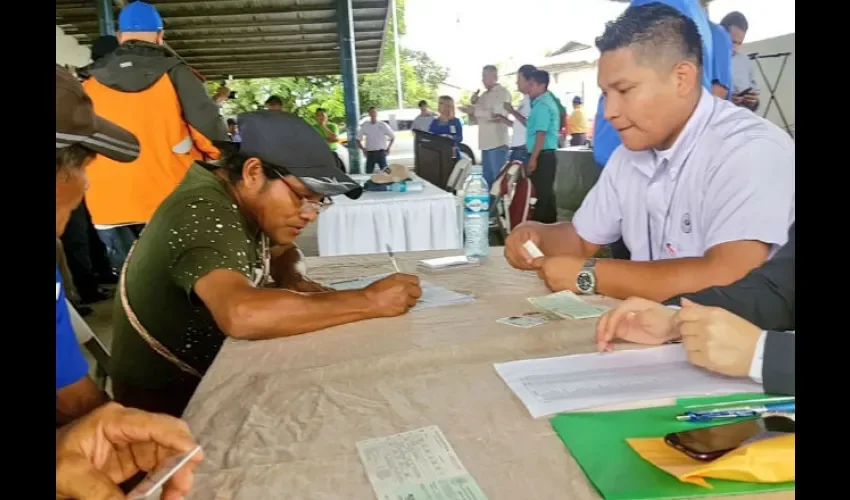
(636,320)
(113,443)
(394,295)
(559,273)
(515,253)
(716,339)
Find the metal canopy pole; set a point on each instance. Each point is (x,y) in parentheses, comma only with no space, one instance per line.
(348,63)
(105,17)
(397,44)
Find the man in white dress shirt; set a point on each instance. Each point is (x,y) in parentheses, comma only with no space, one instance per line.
(376,134)
(519,151)
(701,191)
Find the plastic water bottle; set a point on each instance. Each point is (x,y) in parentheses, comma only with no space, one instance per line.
(476,214)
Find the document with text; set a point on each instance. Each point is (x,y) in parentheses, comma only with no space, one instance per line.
(417,465)
(552,385)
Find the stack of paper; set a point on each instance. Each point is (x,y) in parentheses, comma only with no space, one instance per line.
(566,304)
(552,385)
(432,295)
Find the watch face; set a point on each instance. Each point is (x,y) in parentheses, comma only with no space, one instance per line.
(584,281)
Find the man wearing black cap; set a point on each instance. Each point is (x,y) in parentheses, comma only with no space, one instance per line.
(202,269)
(80,137)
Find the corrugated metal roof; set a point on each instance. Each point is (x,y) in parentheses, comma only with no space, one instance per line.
(252,38)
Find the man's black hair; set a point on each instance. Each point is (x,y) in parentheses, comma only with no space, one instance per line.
(371,108)
(736,19)
(73,157)
(658,32)
(526,70)
(275,100)
(321,110)
(231,121)
(540,76)
(423,102)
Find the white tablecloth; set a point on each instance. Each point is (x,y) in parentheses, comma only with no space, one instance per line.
(427,220)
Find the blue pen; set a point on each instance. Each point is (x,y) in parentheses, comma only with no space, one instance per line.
(746,411)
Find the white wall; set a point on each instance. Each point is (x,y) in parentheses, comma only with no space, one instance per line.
(786,89)
(569,84)
(69,52)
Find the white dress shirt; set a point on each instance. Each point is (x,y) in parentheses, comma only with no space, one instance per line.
(518,138)
(730,176)
(376,135)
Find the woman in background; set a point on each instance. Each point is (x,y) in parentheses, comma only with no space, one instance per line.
(447,125)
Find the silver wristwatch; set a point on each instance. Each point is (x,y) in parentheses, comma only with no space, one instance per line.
(586,278)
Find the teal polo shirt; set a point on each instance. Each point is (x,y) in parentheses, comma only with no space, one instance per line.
(544,117)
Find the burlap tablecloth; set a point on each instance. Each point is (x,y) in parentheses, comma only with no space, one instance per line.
(279,419)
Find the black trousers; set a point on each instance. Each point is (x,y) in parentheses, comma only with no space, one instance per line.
(578,139)
(543,179)
(378,157)
(85,253)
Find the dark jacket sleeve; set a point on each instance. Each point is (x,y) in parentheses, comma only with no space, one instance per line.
(199,111)
(764,297)
(778,365)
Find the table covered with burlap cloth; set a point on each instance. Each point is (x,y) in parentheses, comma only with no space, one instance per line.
(279,419)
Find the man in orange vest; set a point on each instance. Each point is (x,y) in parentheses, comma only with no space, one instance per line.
(147,90)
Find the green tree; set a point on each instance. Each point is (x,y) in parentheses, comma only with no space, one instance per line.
(421,77)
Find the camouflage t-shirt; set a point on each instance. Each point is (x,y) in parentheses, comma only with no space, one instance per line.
(195,231)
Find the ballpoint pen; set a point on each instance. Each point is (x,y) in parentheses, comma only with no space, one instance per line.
(736,412)
(392,258)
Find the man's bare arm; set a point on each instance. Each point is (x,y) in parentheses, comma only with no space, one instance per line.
(245,312)
(78,399)
(719,90)
(661,279)
(561,238)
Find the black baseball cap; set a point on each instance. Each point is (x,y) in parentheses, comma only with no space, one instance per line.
(577,99)
(76,123)
(290,146)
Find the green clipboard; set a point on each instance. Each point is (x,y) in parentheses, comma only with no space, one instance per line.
(597,441)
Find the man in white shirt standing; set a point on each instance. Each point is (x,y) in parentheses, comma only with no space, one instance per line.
(700,190)
(519,151)
(489,109)
(422,122)
(376,149)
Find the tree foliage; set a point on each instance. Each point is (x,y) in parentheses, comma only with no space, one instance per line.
(420,76)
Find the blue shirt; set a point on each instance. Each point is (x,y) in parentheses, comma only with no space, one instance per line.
(452,128)
(71,365)
(605,138)
(545,117)
(721,67)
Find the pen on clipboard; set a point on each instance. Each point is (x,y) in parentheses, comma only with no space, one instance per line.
(392,258)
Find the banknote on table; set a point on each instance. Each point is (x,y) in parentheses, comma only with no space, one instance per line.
(566,304)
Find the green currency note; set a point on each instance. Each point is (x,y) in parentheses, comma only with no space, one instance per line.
(566,304)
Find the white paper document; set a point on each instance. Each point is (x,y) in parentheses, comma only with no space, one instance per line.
(417,465)
(553,385)
(432,295)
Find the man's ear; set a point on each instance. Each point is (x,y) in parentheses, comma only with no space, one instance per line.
(687,76)
(252,174)
(160,37)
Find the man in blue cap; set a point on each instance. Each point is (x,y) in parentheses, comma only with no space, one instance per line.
(146,89)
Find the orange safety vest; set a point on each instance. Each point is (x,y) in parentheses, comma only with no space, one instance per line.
(122,193)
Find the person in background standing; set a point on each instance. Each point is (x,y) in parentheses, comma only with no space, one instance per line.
(376,149)
(518,150)
(426,116)
(233,130)
(274,103)
(489,108)
(721,65)
(745,90)
(447,125)
(577,123)
(329,132)
(146,89)
(543,126)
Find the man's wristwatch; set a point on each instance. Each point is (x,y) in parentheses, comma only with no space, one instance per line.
(586,278)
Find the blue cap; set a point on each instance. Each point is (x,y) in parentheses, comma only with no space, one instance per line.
(139,17)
